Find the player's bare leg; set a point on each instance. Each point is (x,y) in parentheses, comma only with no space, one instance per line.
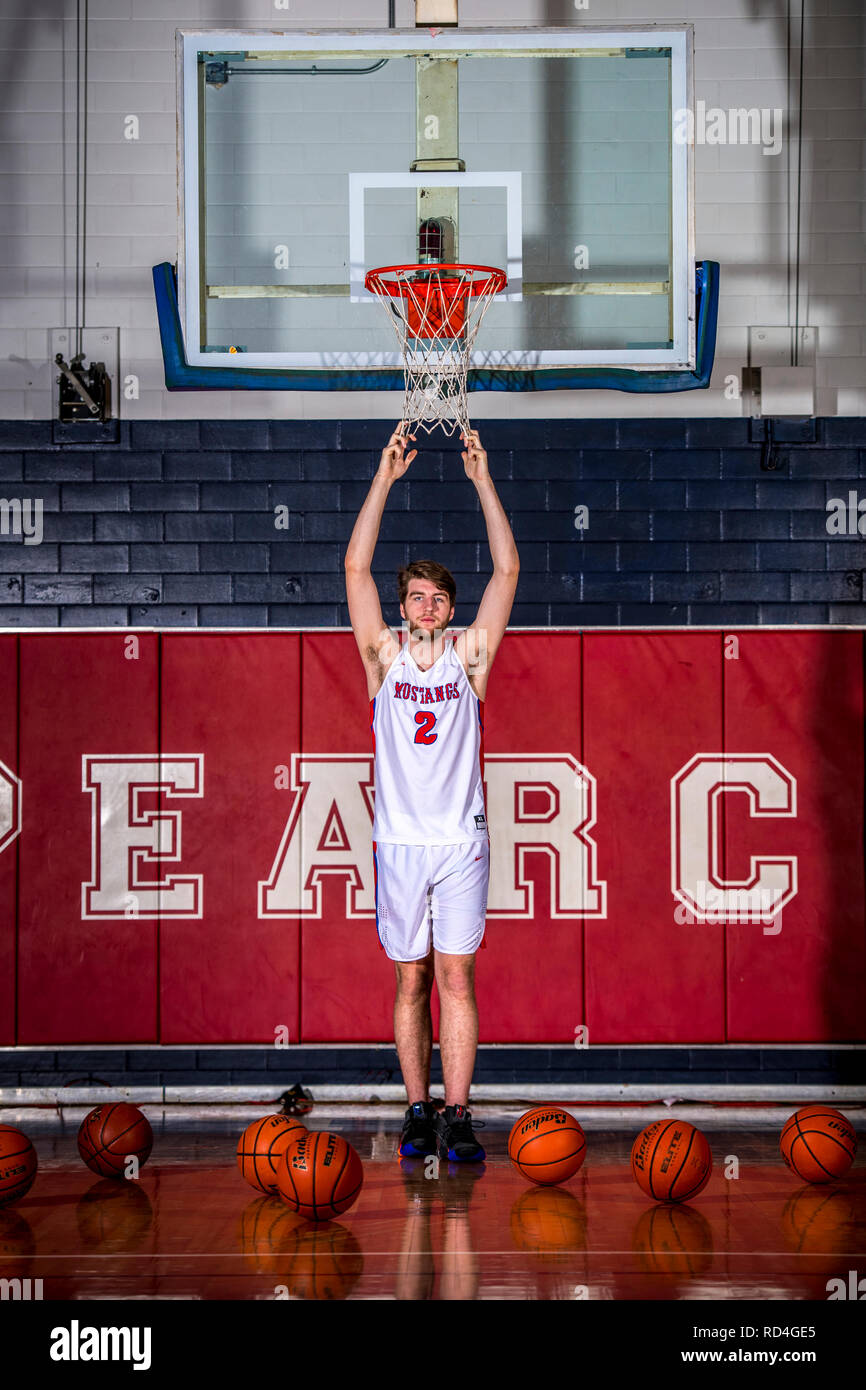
(458,1024)
(413,1025)
(460,1262)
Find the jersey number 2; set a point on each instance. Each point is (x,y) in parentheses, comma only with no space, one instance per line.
(425,721)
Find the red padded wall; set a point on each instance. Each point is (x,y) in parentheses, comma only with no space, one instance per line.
(799,696)
(530,977)
(277,727)
(650,702)
(229,976)
(347,990)
(9,841)
(79,980)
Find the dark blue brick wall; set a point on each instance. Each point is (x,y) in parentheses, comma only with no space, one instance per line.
(500,1065)
(174,525)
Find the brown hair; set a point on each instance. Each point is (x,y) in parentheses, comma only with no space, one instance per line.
(426,569)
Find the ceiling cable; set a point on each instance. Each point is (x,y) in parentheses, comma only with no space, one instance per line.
(81,56)
(796,343)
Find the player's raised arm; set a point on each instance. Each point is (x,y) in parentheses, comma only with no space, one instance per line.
(477,646)
(365,610)
(392,465)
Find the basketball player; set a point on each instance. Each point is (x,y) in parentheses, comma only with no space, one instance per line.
(431,845)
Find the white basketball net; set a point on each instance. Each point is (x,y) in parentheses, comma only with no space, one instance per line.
(436,312)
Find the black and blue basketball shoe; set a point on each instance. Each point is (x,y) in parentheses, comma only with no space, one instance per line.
(456,1139)
(418,1138)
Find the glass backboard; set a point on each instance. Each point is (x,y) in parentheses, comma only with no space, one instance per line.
(306,159)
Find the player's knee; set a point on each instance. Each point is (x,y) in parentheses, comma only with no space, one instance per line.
(457,978)
(414,979)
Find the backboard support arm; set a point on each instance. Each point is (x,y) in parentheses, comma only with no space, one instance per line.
(440,13)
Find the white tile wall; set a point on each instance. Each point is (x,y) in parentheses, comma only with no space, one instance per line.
(744,213)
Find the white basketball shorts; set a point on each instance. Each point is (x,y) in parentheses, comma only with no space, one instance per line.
(431,895)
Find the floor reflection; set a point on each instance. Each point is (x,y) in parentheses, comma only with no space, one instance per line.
(426,1231)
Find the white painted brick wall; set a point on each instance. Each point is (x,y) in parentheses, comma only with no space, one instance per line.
(744,215)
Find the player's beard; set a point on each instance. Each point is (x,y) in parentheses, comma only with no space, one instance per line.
(426,636)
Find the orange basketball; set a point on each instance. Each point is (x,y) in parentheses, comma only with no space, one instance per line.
(114,1216)
(320,1175)
(17,1242)
(550,1221)
(673,1241)
(547,1145)
(324,1262)
(262,1145)
(264,1227)
(818,1143)
(535,1110)
(821,1222)
(110,1135)
(671,1161)
(18,1164)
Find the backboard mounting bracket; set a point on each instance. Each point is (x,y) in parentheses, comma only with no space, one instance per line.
(441,13)
(434,166)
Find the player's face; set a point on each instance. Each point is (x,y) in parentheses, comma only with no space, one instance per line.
(426,609)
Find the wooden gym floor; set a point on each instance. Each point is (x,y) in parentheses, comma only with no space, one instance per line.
(190,1228)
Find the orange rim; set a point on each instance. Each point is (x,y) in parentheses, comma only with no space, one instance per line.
(453,288)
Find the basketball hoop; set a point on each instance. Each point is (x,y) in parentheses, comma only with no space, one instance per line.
(436,311)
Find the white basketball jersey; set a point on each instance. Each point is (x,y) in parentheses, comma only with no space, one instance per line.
(428,741)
